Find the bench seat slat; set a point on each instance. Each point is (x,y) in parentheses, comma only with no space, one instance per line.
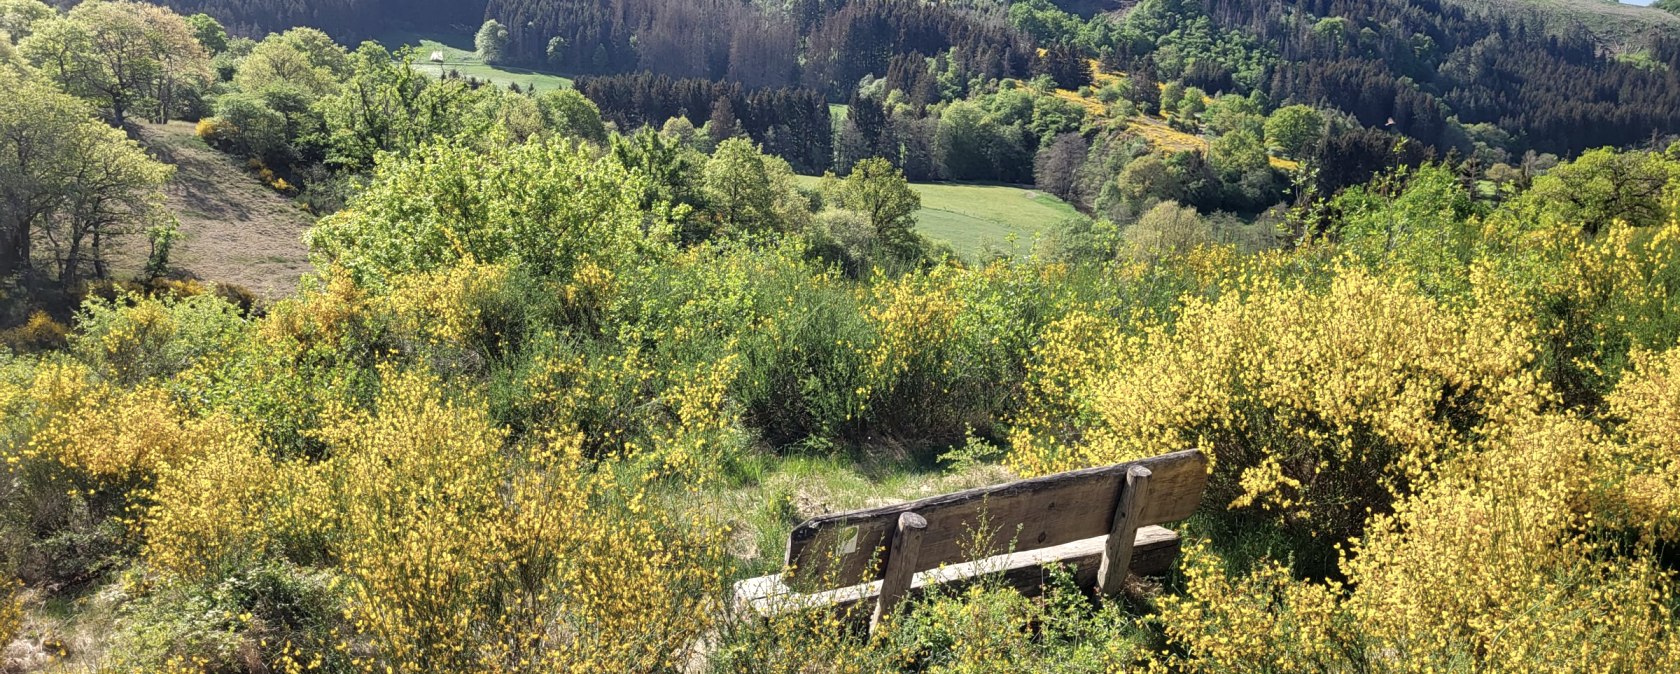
(1152,555)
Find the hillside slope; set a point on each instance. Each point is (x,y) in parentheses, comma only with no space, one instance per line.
(235,229)
(1618,26)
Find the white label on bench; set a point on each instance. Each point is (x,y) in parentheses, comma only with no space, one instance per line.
(848,540)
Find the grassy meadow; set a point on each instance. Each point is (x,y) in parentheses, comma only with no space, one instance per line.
(972,216)
(458,54)
(234,228)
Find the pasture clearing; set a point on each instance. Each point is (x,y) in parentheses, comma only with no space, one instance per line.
(459,55)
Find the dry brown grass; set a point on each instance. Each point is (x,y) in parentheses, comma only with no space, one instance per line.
(235,229)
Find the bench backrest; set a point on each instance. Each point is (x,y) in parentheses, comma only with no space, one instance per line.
(1030,514)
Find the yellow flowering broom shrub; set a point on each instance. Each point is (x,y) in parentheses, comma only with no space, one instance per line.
(797,328)
(948,355)
(39,333)
(99,432)
(444,307)
(1495,565)
(462,561)
(233,507)
(455,554)
(1314,403)
(132,338)
(81,452)
(1647,479)
(1611,295)
(11,612)
(1498,562)
(316,349)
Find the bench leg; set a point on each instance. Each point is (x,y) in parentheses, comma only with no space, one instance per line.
(901,565)
(1117,554)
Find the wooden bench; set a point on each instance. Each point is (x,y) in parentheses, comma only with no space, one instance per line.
(1100,521)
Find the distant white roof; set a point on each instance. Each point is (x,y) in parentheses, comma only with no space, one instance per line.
(437,57)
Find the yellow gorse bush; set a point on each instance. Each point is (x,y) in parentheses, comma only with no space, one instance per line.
(1647,479)
(454,555)
(1495,565)
(107,433)
(1311,401)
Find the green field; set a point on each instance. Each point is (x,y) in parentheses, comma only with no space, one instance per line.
(970,216)
(458,54)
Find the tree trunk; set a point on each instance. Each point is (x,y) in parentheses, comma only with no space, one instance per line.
(72,263)
(100,272)
(166,95)
(14,250)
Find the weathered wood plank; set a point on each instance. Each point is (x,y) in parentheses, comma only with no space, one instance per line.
(1153,553)
(844,548)
(1117,553)
(901,566)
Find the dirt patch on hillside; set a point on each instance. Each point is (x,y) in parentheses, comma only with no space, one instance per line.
(235,229)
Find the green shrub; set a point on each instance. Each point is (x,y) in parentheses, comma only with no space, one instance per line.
(131,338)
(246,126)
(269,617)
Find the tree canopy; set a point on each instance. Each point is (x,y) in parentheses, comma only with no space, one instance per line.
(69,183)
(125,56)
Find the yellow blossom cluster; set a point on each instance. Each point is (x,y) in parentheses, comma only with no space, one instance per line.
(453,554)
(105,433)
(444,306)
(1647,482)
(1497,564)
(1313,401)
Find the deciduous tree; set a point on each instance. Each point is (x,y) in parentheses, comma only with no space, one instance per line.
(279,62)
(878,190)
(387,106)
(1056,169)
(122,55)
(543,206)
(1293,130)
(68,181)
(209,33)
(1168,228)
(491,41)
(570,114)
(1605,186)
(19,17)
(737,186)
(1235,154)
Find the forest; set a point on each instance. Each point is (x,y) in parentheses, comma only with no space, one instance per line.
(570,362)
(1437,68)
(932,83)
